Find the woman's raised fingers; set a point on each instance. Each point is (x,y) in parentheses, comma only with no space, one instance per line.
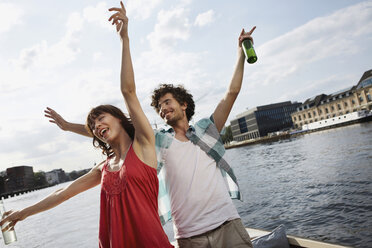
(122,6)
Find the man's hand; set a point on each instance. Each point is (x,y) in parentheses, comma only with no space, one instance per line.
(245,35)
(55,118)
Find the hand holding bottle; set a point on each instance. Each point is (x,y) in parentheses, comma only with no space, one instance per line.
(7,223)
(246,43)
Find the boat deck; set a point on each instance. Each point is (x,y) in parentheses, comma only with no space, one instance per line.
(295,241)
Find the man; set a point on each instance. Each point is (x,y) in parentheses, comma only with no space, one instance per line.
(193,174)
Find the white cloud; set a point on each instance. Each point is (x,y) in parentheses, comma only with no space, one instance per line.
(172,25)
(45,55)
(322,38)
(141,9)
(97,56)
(10,15)
(98,15)
(94,86)
(204,18)
(74,22)
(328,85)
(49,56)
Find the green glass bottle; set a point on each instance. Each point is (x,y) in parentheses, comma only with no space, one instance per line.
(249,51)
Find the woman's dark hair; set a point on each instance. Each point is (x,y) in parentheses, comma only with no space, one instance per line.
(179,93)
(114,111)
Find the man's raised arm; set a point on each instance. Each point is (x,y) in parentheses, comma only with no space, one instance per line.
(224,107)
(55,118)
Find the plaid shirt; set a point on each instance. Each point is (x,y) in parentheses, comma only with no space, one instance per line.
(206,136)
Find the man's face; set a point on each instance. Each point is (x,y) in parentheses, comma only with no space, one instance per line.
(170,110)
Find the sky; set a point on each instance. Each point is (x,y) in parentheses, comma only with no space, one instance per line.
(66,55)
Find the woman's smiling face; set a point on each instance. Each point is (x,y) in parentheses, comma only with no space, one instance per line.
(106,127)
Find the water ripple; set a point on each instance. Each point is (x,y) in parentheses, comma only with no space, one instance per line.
(318,185)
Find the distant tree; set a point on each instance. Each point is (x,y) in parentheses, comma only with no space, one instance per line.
(227,135)
(76,174)
(40,180)
(73,175)
(2,184)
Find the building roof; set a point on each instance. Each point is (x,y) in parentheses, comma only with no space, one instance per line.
(315,100)
(274,105)
(365,75)
(247,112)
(342,91)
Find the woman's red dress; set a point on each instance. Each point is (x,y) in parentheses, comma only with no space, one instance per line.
(129,206)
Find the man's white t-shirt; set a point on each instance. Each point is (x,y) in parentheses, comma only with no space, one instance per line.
(200,201)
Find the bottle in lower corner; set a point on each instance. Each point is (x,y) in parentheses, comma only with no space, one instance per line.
(249,51)
(9,236)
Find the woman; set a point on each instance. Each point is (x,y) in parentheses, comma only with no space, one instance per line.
(129,184)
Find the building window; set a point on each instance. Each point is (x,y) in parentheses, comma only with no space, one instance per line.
(309,115)
(339,106)
(345,103)
(352,101)
(332,108)
(294,118)
(299,117)
(242,125)
(304,116)
(369,98)
(326,109)
(320,111)
(361,99)
(314,113)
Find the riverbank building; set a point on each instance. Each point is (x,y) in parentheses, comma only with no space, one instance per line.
(19,178)
(321,107)
(263,120)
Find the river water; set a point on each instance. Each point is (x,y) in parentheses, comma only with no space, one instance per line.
(318,185)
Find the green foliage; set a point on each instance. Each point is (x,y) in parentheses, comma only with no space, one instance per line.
(40,180)
(227,135)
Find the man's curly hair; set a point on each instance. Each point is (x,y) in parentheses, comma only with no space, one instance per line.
(126,123)
(179,93)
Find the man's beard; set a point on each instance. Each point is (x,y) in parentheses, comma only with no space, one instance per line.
(173,121)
